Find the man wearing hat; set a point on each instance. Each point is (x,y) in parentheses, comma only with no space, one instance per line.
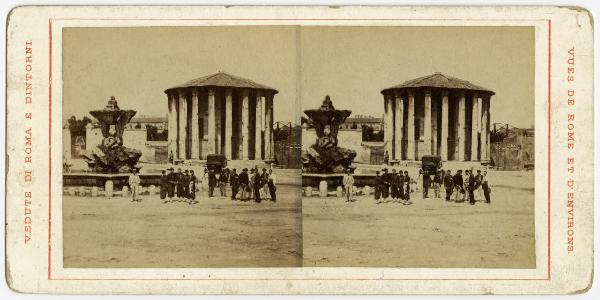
(164,185)
(244,180)
(134,183)
(179,183)
(377,186)
(348,182)
(385,188)
(193,181)
(186,184)
(234,180)
(171,182)
(394,181)
(212,182)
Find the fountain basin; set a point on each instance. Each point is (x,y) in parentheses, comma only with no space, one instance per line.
(99,179)
(335,179)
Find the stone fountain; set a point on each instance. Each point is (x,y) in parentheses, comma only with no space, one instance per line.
(325,156)
(111,156)
(324,162)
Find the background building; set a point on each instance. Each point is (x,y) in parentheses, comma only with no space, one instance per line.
(222,114)
(438,115)
(360,121)
(512,148)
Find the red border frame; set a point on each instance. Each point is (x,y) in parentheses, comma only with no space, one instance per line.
(547,278)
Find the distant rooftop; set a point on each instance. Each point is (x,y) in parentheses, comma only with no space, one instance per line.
(146,119)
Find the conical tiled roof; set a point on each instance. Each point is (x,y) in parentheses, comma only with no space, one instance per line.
(439,80)
(222,79)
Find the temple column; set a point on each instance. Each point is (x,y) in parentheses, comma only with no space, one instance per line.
(269,127)
(182,125)
(474,127)
(172,119)
(211,122)
(195,127)
(228,124)
(444,125)
(245,124)
(388,125)
(411,149)
(461,126)
(259,126)
(399,121)
(480,128)
(485,144)
(427,123)
(434,127)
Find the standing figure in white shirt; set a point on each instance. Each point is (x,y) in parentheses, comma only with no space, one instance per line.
(348,182)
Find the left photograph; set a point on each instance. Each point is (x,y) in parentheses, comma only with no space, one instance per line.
(181,147)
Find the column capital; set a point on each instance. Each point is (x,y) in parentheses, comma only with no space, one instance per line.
(259,93)
(269,95)
(461,93)
(245,92)
(181,93)
(228,92)
(427,92)
(410,92)
(212,92)
(194,92)
(444,92)
(474,95)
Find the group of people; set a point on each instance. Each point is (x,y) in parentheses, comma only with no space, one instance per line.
(182,185)
(465,187)
(250,184)
(396,185)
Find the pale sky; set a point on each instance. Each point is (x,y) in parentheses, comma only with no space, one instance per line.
(351,64)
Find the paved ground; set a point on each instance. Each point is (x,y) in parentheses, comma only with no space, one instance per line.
(117,233)
(428,233)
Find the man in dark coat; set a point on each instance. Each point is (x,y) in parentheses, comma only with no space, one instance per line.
(448,184)
(257,185)
(244,180)
(378,185)
(393,178)
(272,185)
(385,188)
(186,184)
(223,180)
(235,183)
(164,185)
(171,183)
(212,182)
(486,187)
(471,188)
(426,183)
(458,186)
(180,182)
(400,184)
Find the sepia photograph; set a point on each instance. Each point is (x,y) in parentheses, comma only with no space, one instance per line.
(178,148)
(418,147)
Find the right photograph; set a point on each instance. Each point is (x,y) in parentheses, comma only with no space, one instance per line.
(417,146)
